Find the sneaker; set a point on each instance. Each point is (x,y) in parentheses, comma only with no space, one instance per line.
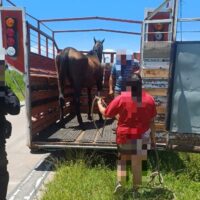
(118,188)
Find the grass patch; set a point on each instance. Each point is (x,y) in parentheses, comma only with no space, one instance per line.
(15,81)
(83,175)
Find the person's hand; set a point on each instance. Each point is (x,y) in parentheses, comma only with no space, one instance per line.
(99,101)
(153,145)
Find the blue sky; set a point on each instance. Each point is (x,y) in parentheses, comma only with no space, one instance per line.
(125,9)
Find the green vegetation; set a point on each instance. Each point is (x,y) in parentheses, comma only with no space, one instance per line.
(84,175)
(15,81)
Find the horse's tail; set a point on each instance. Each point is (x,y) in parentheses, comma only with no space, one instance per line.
(57,64)
(58,69)
(60,63)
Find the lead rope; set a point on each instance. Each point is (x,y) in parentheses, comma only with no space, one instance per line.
(96,98)
(157,172)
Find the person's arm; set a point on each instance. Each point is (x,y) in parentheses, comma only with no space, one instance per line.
(153,131)
(112,80)
(111,84)
(111,110)
(101,107)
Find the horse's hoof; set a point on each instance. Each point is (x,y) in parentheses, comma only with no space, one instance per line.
(101,121)
(62,123)
(62,101)
(82,127)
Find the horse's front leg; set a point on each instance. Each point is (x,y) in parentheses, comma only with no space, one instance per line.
(89,103)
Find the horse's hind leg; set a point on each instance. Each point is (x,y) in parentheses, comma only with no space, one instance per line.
(89,103)
(61,99)
(61,79)
(77,107)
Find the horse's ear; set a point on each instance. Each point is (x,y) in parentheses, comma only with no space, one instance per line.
(102,41)
(95,40)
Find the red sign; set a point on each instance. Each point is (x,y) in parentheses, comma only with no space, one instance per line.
(13,38)
(159,31)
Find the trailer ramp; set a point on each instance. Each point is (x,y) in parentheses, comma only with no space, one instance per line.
(69,135)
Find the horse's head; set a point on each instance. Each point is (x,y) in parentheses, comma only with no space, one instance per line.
(98,48)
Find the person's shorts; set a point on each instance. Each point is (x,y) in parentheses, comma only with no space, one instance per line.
(136,146)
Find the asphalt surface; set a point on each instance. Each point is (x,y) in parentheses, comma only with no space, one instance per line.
(24,168)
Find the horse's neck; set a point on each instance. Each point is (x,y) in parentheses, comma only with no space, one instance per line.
(99,55)
(94,53)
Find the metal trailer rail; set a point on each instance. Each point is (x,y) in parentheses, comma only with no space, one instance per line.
(42,93)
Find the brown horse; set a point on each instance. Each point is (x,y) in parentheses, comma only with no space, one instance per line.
(82,71)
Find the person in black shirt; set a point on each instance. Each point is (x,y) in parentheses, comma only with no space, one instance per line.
(9,104)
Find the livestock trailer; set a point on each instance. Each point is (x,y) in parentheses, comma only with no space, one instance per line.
(33,53)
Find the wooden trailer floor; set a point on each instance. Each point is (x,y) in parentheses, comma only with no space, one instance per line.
(70,135)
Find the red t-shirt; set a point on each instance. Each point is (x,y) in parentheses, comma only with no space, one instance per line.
(134,119)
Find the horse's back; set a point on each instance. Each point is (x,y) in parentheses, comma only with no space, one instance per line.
(93,61)
(75,54)
(76,64)
(94,71)
(94,66)
(83,70)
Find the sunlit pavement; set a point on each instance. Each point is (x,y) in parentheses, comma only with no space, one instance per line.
(21,161)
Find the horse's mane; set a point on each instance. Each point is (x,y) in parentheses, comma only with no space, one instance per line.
(92,53)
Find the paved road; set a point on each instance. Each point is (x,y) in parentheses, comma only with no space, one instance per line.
(21,162)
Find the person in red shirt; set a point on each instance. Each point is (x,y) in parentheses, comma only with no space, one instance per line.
(136,111)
